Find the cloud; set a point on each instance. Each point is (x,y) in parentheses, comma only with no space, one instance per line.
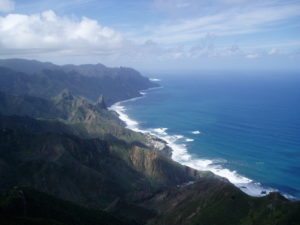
(47,31)
(220,17)
(49,36)
(7,5)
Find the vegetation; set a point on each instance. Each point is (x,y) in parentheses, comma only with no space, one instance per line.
(211,201)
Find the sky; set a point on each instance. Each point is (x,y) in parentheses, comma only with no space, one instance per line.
(155,35)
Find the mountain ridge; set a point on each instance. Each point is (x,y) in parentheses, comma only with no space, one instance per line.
(47,80)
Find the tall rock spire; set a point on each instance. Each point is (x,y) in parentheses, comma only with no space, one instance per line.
(100,102)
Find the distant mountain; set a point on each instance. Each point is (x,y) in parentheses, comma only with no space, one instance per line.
(19,76)
(27,66)
(99,70)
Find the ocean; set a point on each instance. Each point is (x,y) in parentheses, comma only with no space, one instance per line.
(244,126)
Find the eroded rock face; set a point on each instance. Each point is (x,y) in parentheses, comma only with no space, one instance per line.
(159,145)
(101,103)
(77,108)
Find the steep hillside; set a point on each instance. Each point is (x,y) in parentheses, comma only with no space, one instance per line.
(211,201)
(28,106)
(91,172)
(79,116)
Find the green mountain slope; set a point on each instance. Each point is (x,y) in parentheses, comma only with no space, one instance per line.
(212,201)
(91,172)
(84,118)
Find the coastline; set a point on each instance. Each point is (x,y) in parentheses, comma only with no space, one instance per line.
(179,152)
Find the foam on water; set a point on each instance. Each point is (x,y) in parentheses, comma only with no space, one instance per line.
(130,123)
(179,136)
(189,139)
(154,79)
(160,131)
(180,154)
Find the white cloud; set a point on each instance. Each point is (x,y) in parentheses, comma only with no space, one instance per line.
(52,37)
(222,20)
(7,5)
(49,32)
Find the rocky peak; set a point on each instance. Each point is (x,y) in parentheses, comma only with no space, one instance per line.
(100,102)
(65,95)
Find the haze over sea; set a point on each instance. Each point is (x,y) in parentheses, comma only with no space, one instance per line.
(243,126)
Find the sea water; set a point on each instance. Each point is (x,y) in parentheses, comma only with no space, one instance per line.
(242,126)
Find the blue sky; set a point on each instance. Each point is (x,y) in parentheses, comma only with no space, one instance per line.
(154,35)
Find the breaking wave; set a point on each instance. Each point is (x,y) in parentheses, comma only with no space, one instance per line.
(180,154)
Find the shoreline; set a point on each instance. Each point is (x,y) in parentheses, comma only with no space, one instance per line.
(180,154)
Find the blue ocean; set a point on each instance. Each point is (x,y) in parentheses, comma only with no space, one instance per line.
(242,126)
